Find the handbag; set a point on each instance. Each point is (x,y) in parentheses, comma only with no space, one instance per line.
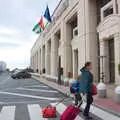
(94,89)
(49,112)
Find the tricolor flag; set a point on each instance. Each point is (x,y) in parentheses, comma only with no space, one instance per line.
(39,27)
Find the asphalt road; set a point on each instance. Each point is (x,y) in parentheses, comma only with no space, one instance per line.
(23,99)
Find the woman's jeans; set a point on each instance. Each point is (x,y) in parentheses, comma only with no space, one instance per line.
(89,102)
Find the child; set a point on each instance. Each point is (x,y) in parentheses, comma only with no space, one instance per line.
(78,98)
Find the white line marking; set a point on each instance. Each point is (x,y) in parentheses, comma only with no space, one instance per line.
(61,108)
(29,96)
(101,113)
(35,112)
(43,86)
(38,90)
(7,113)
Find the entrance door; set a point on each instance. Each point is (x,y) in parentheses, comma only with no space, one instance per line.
(59,70)
(75,63)
(111,61)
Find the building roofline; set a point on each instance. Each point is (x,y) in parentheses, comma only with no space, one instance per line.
(56,7)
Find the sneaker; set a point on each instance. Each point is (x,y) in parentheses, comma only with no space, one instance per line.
(87,117)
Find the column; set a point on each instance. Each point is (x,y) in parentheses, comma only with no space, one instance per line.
(118,2)
(66,37)
(54,55)
(42,58)
(75,64)
(39,60)
(114,6)
(47,58)
(35,62)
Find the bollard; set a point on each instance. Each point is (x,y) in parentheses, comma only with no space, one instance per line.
(70,82)
(66,82)
(102,90)
(117,94)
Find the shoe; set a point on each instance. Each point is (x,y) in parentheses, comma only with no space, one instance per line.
(87,117)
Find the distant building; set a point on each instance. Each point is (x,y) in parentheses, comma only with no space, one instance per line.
(82,30)
(2,66)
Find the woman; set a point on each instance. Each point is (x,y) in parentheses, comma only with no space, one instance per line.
(86,81)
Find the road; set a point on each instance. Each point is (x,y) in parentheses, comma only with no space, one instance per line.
(23,99)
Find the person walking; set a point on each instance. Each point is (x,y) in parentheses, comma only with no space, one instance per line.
(78,98)
(86,81)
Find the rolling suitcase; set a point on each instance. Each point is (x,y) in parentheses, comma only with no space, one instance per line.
(70,113)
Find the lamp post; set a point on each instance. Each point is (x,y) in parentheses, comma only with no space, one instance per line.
(102,91)
(102,76)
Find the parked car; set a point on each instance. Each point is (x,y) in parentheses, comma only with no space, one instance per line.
(21,74)
(29,70)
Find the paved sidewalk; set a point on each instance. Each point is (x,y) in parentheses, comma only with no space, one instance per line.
(107,104)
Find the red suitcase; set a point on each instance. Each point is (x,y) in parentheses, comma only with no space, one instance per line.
(70,113)
(49,112)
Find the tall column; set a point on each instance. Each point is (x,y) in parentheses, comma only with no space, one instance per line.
(117,56)
(35,62)
(39,60)
(87,23)
(47,58)
(54,55)
(66,37)
(114,6)
(118,3)
(42,58)
(75,64)
(81,33)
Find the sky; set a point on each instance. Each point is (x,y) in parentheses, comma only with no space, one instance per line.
(17,19)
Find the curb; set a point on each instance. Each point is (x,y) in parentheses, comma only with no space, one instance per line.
(96,105)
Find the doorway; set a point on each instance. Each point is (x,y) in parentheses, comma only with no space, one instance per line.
(75,63)
(111,60)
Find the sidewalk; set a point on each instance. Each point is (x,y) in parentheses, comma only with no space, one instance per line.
(107,104)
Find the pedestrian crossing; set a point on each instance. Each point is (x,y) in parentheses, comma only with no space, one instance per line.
(9,112)
(35,112)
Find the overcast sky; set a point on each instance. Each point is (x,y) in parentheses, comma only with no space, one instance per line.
(17,18)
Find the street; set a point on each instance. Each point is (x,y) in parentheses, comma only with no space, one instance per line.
(23,99)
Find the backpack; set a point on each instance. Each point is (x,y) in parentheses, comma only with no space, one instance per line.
(75,86)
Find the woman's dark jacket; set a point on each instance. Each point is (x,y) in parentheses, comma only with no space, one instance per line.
(86,80)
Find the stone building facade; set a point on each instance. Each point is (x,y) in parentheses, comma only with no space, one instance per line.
(82,30)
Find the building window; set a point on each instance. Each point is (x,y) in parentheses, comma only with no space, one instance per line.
(108,11)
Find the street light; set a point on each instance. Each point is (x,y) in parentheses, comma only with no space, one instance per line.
(102,75)
(102,91)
